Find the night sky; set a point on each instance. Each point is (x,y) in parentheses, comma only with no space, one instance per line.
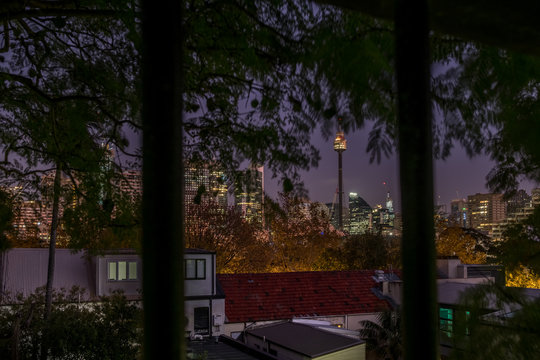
(456,177)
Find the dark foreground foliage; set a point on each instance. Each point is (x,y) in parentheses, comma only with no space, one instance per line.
(108,329)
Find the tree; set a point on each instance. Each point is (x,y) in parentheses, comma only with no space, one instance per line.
(383,336)
(240,246)
(363,252)
(58,110)
(6,220)
(511,334)
(300,232)
(108,329)
(469,245)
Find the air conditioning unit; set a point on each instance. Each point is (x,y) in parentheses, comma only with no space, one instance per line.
(218,320)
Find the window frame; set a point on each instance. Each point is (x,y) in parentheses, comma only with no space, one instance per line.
(197,275)
(129,277)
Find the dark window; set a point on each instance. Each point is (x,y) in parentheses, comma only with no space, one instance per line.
(202,321)
(195,268)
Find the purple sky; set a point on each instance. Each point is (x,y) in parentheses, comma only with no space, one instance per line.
(458,176)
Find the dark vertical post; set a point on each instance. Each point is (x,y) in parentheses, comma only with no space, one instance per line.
(416,178)
(162,248)
(340,189)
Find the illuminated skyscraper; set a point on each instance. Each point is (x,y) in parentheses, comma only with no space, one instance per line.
(249,194)
(204,183)
(359,215)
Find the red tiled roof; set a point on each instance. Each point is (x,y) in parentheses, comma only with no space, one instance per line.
(271,296)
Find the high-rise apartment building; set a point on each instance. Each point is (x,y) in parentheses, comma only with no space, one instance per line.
(485,210)
(359,215)
(249,194)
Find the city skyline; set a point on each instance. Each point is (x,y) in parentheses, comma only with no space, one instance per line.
(454,178)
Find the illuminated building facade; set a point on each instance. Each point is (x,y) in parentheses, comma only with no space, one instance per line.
(249,194)
(130,184)
(382,217)
(205,183)
(485,210)
(359,215)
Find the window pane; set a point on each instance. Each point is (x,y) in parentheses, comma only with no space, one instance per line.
(201,269)
(112,271)
(122,270)
(132,270)
(190,269)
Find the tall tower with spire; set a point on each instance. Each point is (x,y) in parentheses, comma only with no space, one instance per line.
(340,145)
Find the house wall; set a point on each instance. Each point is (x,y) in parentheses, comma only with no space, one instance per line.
(350,322)
(216,310)
(106,286)
(357,352)
(206,286)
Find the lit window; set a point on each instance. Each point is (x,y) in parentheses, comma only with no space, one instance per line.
(446,321)
(122,270)
(112,271)
(132,270)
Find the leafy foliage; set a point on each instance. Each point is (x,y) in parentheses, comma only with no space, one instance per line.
(469,245)
(520,245)
(488,100)
(106,217)
(383,336)
(363,252)
(512,333)
(108,329)
(6,219)
(300,232)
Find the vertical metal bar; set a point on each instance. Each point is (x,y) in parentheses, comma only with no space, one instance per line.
(162,248)
(416,178)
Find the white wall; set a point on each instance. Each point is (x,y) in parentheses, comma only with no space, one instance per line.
(202,287)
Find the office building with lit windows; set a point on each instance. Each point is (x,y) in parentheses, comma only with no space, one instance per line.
(359,215)
(249,194)
(205,183)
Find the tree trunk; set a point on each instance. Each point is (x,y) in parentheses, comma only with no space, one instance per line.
(52,251)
